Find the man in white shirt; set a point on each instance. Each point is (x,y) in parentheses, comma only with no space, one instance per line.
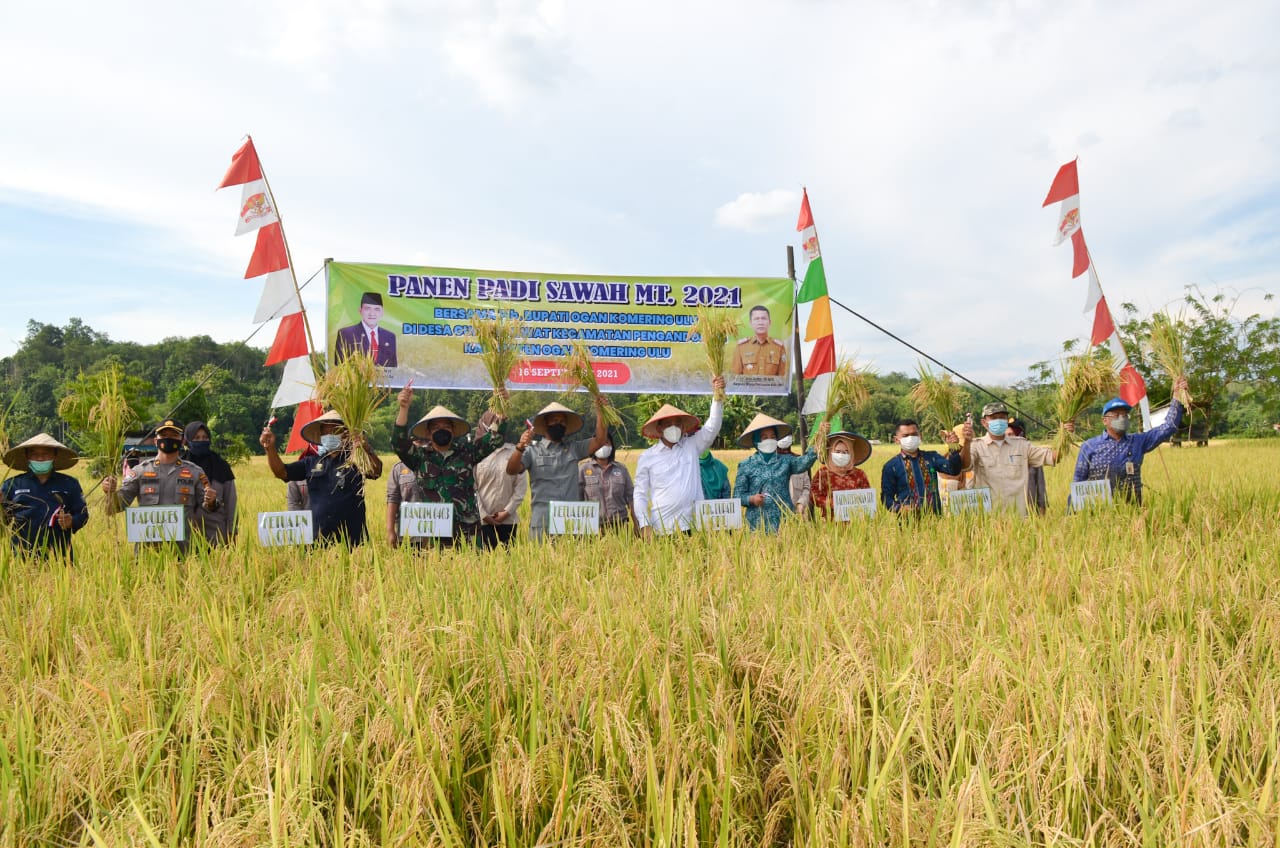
(668,478)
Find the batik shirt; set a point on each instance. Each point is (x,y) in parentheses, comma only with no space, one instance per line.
(448,476)
(913,480)
(828,480)
(1120,460)
(769,474)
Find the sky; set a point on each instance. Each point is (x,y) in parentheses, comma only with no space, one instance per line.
(646,139)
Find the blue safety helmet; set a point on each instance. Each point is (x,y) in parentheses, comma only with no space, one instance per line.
(1115,403)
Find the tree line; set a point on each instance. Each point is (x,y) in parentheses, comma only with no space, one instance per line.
(1233,367)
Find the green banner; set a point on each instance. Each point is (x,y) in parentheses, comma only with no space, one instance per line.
(418,320)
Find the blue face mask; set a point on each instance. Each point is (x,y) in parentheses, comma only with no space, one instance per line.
(997,426)
(329,442)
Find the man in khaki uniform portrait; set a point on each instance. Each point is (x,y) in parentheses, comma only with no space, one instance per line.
(760,356)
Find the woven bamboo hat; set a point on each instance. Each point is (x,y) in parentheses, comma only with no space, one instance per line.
(63,458)
(859,447)
(572,424)
(439,413)
(309,430)
(688,423)
(762,422)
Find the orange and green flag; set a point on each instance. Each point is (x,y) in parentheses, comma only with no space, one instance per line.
(822,360)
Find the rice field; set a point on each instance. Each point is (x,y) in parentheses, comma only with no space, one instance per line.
(1109,679)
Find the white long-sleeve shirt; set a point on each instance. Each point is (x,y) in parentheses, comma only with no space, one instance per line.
(668,479)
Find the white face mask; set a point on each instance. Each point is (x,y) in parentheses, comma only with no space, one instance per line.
(768,445)
(671,434)
(785,443)
(604,452)
(910,444)
(840,460)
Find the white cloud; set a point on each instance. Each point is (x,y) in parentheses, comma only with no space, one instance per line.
(753,211)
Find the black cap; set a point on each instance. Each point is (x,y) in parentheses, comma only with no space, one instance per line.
(169,424)
(371,298)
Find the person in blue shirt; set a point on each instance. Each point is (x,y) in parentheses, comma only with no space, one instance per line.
(335,487)
(763,485)
(42,506)
(1116,455)
(909,481)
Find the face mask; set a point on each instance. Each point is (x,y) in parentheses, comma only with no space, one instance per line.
(329,442)
(605,452)
(40,466)
(768,445)
(672,434)
(555,432)
(910,444)
(1120,423)
(840,460)
(199,447)
(785,443)
(997,426)
(442,437)
(168,445)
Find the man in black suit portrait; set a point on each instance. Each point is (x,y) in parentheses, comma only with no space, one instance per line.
(367,336)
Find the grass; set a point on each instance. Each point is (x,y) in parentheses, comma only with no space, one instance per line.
(1109,680)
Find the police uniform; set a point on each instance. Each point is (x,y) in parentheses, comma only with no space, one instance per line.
(754,358)
(167,484)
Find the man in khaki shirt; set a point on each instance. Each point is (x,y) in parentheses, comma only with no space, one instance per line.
(1001,461)
(759,355)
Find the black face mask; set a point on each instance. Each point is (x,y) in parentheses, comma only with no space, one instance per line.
(168,445)
(198,447)
(442,437)
(556,431)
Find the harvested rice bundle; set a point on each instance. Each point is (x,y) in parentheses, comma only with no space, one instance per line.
(1084,378)
(1169,352)
(846,393)
(499,340)
(577,372)
(716,327)
(351,389)
(935,398)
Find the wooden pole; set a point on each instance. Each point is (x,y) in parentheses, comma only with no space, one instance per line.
(795,342)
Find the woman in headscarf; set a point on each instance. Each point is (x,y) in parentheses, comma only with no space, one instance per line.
(764,478)
(41,506)
(840,473)
(218,528)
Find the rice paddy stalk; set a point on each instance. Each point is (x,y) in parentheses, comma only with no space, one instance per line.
(578,372)
(935,398)
(716,327)
(107,413)
(846,393)
(350,388)
(1084,378)
(499,341)
(1169,351)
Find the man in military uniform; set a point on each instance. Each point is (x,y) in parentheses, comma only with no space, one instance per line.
(760,356)
(446,468)
(166,480)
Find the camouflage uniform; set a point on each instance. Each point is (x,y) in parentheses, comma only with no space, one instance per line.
(448,477)
(167,484)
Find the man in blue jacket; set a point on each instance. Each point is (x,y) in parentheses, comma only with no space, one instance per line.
(42,506)
(909,481)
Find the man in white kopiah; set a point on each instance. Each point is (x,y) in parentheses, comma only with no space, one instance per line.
(668,477)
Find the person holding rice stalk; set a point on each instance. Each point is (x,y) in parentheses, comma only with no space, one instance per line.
(1116,455)
(764,478)
(335,486)
(166,480)
(42,506)
(846,450)
(1001,462)
(446,469)
(552,463)
(668,477)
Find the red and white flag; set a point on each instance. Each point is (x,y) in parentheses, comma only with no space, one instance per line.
(1066,191)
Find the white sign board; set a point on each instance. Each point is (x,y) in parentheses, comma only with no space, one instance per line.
(286,528)
(426,519)
(1090,493)
(847,503)
(970,500)
(573,518)
(156,524)
(718,514)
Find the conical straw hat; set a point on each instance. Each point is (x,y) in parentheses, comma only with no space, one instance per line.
(458,425)
(860,448)
(762,422)
(64,458)
(688,423)
(571,426)
(309,429)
